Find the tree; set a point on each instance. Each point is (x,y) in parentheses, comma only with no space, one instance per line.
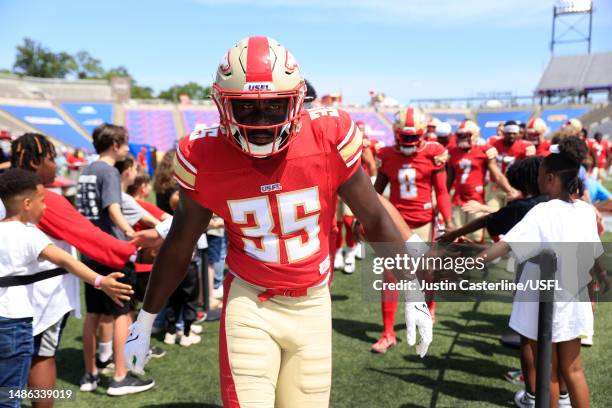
(35,60)
(88,66)
(119,71)
(193,89)
(141,92)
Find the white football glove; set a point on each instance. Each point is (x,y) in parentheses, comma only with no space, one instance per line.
(418,317)
(137,344)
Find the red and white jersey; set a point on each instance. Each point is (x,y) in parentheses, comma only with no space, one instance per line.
(543,148)
(411,180)
(590,143)
(279,210)
(506,155)
(375,146)
(470,169)
(600,151)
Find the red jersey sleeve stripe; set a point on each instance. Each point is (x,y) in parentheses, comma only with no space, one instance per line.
(188,166)
(353,160)
(347,138)
(183,183)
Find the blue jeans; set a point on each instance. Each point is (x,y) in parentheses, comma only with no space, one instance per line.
(217,251)
(16,350)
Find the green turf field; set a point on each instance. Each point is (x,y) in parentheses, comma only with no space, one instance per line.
(464,366)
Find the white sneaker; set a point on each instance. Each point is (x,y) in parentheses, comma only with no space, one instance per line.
(196,329)
(523,399)
(360,252)
(187,341)
(349,261)
(218,293)
(339,260)
(170,338)
(564,401)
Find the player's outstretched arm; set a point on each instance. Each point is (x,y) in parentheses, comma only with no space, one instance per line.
(359,194)
(190,221)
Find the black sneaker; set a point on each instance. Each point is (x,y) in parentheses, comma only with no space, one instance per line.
(105,367)
(156,352)
(89,382)
(129,385)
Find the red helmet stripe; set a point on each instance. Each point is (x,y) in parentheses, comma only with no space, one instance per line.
(530,124)
(409,117)
(259,66)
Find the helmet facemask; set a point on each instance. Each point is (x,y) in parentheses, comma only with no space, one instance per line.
(464,140)
(532,136)
(407,142)
(260,123)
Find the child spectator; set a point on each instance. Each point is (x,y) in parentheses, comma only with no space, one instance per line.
(131,210)
(522,176)
(21,247)
(540,229)
(99,199)
(140,189)
(166,190)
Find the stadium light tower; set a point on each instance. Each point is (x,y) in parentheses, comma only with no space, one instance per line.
(572,14)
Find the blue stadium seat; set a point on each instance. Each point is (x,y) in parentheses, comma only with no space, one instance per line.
(488,121)
(203,118)
(49,122)
(453,118)
(152,128)
(89,115)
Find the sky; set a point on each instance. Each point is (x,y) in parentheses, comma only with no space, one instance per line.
(406,48)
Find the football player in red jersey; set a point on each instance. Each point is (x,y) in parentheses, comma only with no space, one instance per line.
(536,129)
(467,167)
(509,149)
(412,167)
(445,136)
(430,132)
(600,156)
(273,173)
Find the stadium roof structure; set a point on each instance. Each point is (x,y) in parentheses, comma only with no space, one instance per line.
(576,75)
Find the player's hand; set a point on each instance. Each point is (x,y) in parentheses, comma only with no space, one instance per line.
(418,318)
(147,239)
(513,195)
(119,292)
(137,348)
(472,207)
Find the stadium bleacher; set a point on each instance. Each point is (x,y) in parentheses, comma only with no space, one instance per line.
(375,127)
(152,127)
(200,117)
(488,121)
(555,118)
(89,115)
(48,121)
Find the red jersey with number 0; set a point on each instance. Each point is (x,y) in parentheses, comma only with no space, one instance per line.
(470,169)
(411,179)
(278,211)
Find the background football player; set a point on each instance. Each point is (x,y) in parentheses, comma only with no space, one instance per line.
(509,148)
(536,129)
(273,173)
(467,168)
(412,167)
